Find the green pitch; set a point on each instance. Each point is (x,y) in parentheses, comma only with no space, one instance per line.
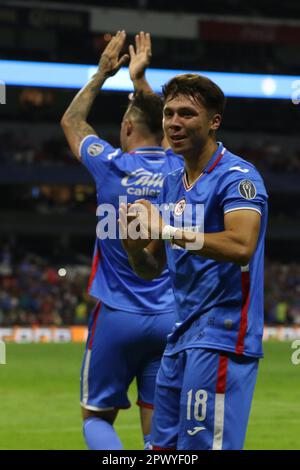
(39,400)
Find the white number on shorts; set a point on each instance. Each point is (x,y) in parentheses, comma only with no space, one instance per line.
(200,401)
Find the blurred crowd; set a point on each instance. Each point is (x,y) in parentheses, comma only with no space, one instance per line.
(267,156)
(272,157)
(20,150)
(282,293)
(35,292)
(16,150)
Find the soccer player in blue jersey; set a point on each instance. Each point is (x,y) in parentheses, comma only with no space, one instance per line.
(129,326)
(208,372)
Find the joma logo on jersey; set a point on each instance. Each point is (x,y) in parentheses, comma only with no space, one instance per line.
(193,432)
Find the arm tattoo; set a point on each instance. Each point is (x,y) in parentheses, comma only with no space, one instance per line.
(74,119)
(81,104)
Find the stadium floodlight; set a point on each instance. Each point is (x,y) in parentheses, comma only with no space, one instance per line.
(56,75)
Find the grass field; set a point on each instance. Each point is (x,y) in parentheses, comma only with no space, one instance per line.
(39,395)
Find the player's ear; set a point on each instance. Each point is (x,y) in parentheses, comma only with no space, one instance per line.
(215,122)
(129,127)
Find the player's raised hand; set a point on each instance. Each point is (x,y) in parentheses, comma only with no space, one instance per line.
(140,56)
(110,62)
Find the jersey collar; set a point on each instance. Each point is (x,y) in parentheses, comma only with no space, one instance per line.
(149,150)
(219,153)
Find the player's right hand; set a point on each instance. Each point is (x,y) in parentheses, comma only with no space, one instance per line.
(110,62)
(140,56)
(133,236)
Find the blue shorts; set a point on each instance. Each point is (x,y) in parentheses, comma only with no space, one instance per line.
(203,400)
(121,346)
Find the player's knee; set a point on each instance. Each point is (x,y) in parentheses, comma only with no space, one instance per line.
(109,415)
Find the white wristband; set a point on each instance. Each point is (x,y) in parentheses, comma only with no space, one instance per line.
(168,232)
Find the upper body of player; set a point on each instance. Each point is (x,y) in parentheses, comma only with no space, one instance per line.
(137,169)
(215,262)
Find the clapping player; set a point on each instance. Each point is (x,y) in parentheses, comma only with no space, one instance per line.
(128,328)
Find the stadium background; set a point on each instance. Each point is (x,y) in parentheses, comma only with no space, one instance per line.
(48,204)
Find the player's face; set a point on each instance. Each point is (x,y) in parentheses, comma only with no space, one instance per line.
(187,124)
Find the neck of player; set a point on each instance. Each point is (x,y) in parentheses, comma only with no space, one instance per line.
(196,160)
(140,143)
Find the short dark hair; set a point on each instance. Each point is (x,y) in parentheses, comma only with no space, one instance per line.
(201,88)
(147,108)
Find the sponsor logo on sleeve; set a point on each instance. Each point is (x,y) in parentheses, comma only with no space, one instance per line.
(247,189)
(95,149)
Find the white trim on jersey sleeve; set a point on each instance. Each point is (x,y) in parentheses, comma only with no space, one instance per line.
(241,208)
(83,140)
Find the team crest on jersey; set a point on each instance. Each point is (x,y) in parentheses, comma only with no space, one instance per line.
(95,149)
(247,189)
(179,207)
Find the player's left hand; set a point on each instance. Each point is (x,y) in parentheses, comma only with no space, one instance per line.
(140,56)
(110,62)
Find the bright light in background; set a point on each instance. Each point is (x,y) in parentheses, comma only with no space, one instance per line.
(268,86)
(62,272)
(45,74)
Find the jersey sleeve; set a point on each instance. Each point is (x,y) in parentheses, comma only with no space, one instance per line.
(242,191)
(96,154)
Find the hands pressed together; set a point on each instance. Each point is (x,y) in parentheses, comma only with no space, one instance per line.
(139,223)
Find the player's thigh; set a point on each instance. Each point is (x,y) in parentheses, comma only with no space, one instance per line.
(161,327)
(241,380)
(109,362)
(165,423)
(215,400)
(157,327)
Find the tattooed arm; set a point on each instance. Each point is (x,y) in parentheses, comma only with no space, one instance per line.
(74,121)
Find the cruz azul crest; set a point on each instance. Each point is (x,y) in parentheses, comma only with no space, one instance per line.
(179,207)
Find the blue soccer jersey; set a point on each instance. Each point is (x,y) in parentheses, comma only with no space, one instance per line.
(135,175)
(220,304)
